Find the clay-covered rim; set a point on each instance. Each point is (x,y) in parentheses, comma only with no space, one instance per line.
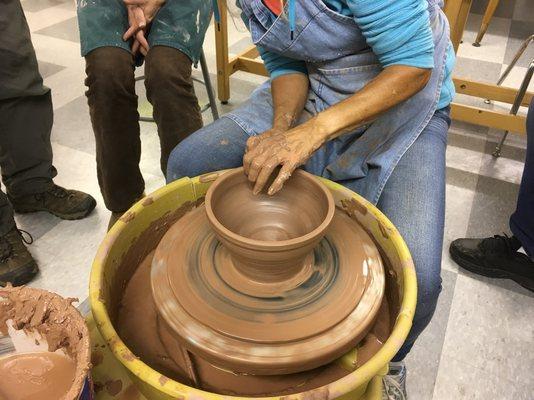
(83,354)
(276,244)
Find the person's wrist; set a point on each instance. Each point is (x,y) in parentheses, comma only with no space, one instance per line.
(283,121)
(317,132)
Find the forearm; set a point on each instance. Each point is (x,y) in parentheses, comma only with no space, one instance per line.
(392,86)
(289,93)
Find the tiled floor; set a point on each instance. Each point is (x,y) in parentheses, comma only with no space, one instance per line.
(480,342)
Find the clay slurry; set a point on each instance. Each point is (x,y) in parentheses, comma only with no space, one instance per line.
(45,375)
(31,376)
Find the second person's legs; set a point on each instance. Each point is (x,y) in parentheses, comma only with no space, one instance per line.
(113,109)
(522,221)
(169,87)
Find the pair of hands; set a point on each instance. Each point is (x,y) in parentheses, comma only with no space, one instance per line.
(140,15)
(288,149)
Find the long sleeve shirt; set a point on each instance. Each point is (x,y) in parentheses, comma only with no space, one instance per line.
(397,31)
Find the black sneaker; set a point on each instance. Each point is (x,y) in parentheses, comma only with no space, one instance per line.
(495,257)
(17,265)
(63,203)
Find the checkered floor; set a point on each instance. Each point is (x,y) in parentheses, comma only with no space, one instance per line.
(479,344)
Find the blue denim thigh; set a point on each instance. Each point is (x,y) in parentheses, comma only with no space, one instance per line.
(414,200)
(219,145)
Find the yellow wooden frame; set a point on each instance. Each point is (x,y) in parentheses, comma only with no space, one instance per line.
(456,11)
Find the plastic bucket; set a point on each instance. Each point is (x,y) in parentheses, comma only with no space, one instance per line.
(114,264)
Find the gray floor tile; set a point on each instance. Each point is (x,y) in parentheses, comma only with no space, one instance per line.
(48,69)
(66,30)
(513,148)
(37,224)
(509,167)
(519,31)
(494,43)
(423,360)
(77,132)
(506,284)
(523,11)
(459,202)
(484,71)
(485,353)
(458,380)
(493,204)
(505,8)
(39,5)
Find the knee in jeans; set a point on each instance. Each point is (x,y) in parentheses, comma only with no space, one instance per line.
(180,164)
(109,69)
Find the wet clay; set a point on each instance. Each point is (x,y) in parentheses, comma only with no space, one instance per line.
(30,376)
(56,321)
(269,238)
(138,327)
(231,321)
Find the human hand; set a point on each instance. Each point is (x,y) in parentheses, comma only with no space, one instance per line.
(288,149)
(138,23)
(149,7)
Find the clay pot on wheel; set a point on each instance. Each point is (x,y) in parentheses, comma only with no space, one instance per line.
(269,237)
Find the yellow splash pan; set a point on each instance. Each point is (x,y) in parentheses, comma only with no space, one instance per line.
(115,262)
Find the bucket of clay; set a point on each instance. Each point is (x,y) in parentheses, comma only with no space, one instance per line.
(138,233)
(45,352)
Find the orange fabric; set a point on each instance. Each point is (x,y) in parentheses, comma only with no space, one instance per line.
(274,5)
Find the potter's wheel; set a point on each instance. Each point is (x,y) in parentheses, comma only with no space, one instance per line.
(266,328)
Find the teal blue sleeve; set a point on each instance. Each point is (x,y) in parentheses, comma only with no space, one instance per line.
(398,31)
(278,65)
(275,63)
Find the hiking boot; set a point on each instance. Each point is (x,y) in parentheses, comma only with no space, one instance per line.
(63,203)
(394,383)
(17,265)
(495,257)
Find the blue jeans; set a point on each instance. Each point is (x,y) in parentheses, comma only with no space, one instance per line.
(522,221)
(413,198)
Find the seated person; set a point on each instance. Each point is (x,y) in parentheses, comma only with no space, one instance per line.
(115,37)
(503,256)
(359,93)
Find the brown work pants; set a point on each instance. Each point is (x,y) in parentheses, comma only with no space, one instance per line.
(113,108)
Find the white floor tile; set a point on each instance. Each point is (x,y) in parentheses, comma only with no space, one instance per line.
(494,44)
(487,349)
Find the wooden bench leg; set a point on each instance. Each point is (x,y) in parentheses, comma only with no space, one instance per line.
(488,15)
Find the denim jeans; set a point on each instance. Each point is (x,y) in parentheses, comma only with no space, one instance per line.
(413,198)
(522,221)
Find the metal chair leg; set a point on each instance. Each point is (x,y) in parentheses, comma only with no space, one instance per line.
(517,55)
(209,87)
(517,103)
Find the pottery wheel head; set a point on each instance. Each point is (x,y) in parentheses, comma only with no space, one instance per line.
(265,328)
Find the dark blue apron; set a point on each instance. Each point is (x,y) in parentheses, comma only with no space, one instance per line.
(339,64)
